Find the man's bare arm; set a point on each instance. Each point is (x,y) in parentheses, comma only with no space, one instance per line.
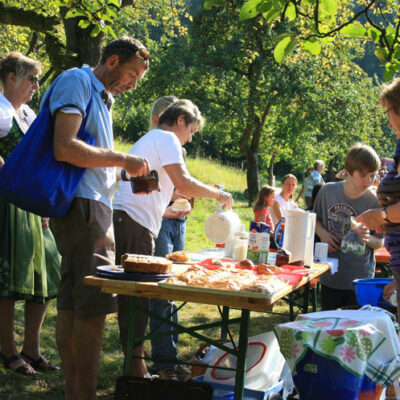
(68,148)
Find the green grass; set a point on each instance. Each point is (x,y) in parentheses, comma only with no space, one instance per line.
(49,386)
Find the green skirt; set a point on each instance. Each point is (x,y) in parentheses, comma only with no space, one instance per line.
(29,260)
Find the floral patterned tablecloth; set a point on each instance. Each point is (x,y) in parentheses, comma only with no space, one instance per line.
(352,339)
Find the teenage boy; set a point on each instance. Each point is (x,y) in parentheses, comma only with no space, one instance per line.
(335,204)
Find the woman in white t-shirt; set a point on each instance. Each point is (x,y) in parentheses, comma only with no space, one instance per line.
(283,200)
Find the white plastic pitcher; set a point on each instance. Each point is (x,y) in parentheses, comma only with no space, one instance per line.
(264,364)
(221,226)
(299,235)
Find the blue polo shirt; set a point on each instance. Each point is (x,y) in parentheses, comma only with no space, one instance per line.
(71,94)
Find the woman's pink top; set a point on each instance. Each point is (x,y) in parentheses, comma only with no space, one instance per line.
(263,214)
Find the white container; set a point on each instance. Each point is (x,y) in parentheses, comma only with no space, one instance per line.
(221,226)
(393,299)
(264,364)
(240,245)
(299,235)
(321,252)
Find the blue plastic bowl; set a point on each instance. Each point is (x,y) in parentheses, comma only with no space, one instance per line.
(370,291)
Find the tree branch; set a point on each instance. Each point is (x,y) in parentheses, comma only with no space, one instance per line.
(33,43)
(32,19)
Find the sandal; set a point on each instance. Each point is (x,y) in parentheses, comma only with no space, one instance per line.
(24,369)
(40,363)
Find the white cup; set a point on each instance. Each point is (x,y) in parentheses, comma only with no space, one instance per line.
(321,252)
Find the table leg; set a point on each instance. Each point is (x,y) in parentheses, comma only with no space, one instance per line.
(131,335)
(225,317)
(242,352)
(306,293)
(291,306)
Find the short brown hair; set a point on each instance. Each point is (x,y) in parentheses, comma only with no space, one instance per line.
(182,107)
(125,48)
(363,158)
(15,62)
(390,96)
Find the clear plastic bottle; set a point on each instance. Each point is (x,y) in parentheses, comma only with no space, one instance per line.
(351,242)
(241,243)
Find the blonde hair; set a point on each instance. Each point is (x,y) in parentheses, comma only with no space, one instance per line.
(390,95)
(159,107)
(182,107)
(289,176)
(18,64)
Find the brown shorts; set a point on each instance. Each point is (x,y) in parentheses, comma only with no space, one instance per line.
(131,237)
(86,229)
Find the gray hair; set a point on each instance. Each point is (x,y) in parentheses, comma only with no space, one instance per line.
(159,107)
(318,164)
(182,107)
(18,64)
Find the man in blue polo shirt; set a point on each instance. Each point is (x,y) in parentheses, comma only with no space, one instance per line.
(87,228)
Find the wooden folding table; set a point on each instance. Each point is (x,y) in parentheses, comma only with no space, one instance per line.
(245,301)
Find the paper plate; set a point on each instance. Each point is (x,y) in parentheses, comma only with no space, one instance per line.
(106,271)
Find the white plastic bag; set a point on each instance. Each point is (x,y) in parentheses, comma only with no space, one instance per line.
(264,364)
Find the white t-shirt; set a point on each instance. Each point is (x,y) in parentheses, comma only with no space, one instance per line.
(160,148)
(284,205)
(7,112)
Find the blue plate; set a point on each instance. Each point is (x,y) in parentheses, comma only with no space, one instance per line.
(106,271)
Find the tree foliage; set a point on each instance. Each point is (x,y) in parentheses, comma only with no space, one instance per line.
(319,22)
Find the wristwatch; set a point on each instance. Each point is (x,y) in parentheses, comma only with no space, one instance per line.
(123,175)
(384,215)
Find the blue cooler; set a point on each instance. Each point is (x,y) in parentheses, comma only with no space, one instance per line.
(321,378)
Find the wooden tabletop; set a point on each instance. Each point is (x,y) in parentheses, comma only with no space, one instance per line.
(382,255)
(246,300)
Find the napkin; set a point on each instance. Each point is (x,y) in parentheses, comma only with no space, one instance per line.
(333,263)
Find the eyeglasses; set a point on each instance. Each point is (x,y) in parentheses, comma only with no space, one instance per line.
(32,79)
(143,53)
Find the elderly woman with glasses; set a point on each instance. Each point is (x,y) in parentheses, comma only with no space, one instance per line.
(29,260)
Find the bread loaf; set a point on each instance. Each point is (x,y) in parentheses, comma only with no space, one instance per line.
(145,264)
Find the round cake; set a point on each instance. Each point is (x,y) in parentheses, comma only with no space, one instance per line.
(181,205)
(143,264)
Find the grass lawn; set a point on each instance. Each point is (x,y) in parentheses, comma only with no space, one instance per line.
(49,386)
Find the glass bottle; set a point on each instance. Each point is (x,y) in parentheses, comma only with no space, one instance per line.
(351,242)
(241,243)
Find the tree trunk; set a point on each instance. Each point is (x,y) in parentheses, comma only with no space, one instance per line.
(80,41)
(271,177)
(253,177)
(330,175)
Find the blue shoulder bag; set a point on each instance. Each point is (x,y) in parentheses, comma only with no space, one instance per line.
(32,179)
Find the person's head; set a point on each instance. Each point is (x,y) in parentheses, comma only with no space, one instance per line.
(125,61)
(309,170)
(183,118)
(289,183)
(265,198)
(361,165)
(390,101)
(158,108)
(19,75)
(319,165)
